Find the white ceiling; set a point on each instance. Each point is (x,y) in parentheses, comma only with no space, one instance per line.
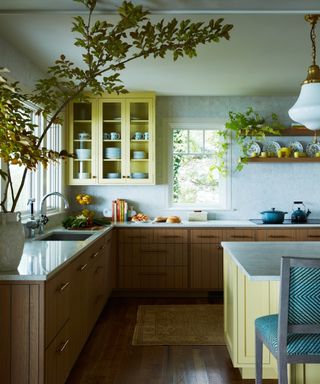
(268,53)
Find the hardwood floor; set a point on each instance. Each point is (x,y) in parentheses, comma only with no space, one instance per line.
(109,358)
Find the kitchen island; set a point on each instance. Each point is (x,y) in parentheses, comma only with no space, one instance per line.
(251,290)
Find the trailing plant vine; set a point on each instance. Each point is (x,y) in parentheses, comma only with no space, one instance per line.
(244,129)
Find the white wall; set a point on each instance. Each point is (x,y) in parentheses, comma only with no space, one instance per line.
(258,187)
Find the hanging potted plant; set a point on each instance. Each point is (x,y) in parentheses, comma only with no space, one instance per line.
(244,129)
(106,49)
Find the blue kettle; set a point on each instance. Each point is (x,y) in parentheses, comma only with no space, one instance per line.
(299,212)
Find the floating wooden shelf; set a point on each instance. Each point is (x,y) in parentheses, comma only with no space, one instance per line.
(296,131)
(284,160)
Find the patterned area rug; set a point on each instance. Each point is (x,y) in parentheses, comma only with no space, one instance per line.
(197,324)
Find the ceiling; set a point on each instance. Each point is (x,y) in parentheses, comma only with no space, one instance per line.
(268,53)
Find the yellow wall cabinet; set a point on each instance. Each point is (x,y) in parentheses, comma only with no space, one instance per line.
(113,139)
(244,301)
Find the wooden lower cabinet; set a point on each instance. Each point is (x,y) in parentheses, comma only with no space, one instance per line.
(44,325)
(272,234)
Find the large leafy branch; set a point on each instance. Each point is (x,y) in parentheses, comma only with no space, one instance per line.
(107,49)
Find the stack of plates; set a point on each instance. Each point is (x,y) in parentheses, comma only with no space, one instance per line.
(113,175)
(139,155)
(83,154)
(139,175)
(112,153)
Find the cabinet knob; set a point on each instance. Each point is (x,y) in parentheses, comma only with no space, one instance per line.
(94,177)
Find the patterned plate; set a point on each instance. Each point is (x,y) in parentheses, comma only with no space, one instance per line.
(254,148)
(296,146)
(272,147)
(312,149)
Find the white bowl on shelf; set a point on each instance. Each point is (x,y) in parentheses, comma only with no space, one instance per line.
(83,154)
(139,155)
(112,153)
(113,175)
(139,175)
(83,175)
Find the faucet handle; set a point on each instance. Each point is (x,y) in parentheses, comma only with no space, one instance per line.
(44,219)
(31,202)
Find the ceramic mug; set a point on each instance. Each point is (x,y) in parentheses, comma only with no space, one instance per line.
(138,136)
(146,136)
(114,136)
(106,136)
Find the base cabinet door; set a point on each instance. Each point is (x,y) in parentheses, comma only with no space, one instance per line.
(206,266)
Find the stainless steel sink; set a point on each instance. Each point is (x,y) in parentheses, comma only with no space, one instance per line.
(65,236)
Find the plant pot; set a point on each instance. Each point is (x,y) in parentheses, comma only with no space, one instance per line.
(11,241)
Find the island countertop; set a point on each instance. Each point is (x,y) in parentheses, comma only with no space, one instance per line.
(261,260)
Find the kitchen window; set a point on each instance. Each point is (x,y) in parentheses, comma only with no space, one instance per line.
(194,184)
(41,181)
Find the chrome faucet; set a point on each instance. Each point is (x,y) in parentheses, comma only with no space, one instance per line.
(43,217)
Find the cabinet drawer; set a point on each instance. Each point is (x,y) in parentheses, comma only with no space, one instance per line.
(239,234)
(203,236)
(58,361)
(153,254)
(135,235)
(170,236)
(145,277)
(276,235)
(58,301)
(312,234)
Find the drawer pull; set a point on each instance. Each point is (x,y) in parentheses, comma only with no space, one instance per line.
(83,267)
(64,346)
(313,236)
(207,237)
(94,255)
(152,274)
(98,269)
(241,237)
(279,237)
(153,250)
(64,286)
(102,247)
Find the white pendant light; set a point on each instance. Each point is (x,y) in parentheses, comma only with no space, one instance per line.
(306,110)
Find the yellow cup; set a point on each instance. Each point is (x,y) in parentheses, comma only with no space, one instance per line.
(263,154)
(296,155)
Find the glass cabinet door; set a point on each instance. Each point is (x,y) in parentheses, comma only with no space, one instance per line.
(81,141)
(140,140)
(112,147)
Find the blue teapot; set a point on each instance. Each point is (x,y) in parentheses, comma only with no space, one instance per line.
(299,212)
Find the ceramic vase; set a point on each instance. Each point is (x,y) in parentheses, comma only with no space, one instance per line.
(11,240)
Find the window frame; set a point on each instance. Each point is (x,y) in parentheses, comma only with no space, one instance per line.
(36,183)
(198,124)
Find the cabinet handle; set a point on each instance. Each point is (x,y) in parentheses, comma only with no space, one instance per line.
(152,274)
(207,237)
(313,236)
(98,269)
(64,346)
(83,267)
(153,250)
(94,177)
(64,286)
(94,255)
(241,237)
(102,247)
(279,237)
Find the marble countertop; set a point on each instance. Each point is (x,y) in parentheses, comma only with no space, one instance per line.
(41,259)
(261,260)
(213,224)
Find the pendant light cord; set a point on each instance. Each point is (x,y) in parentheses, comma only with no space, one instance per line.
(313,40)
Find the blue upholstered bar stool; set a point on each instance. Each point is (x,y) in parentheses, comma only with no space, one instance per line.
(293,336)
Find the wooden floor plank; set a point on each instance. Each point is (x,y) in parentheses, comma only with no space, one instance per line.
(109,357)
